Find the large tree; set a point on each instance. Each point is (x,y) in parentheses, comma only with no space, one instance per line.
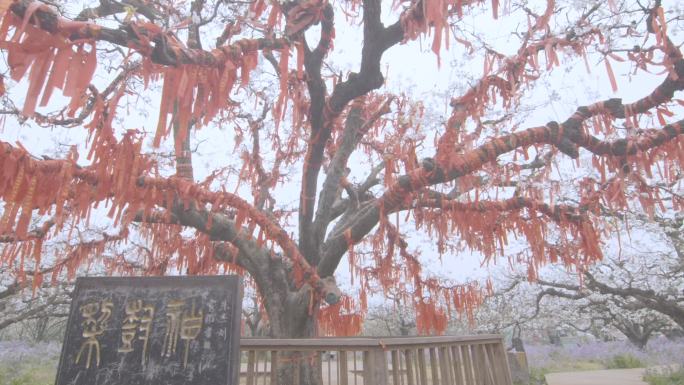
(265,71)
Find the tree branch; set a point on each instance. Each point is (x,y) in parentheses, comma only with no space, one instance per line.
(567,137)
(161,47)
(112,7)
(355,128)
(377,39)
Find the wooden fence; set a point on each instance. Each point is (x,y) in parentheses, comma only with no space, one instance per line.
(476,360)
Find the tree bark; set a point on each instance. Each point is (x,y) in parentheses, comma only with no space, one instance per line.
(291,313)
(296,318)
(295,368)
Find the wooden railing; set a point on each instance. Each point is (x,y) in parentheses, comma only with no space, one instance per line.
(476,360)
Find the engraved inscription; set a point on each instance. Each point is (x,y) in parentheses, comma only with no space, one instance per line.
(136,324)
(95,318)
(153,331)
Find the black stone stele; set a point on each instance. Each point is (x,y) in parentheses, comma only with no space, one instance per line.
(153,331)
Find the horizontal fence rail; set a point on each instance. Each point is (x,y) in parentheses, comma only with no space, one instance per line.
(445,360)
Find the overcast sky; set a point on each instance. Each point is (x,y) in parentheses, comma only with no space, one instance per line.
(555,97)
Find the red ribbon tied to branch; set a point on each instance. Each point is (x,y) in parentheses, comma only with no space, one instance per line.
(304,15)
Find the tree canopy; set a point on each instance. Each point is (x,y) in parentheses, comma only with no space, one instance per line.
(369,165)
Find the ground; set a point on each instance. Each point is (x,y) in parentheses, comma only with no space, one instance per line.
(598,377)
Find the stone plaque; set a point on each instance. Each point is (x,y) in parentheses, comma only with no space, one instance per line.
(153,331)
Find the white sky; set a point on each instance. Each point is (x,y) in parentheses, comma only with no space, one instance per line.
(555,98)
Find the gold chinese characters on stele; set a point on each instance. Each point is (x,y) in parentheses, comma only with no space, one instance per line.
(171,330)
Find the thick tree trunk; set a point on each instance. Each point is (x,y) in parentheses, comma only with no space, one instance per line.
(638,334)
(678,317)
(299,368)
(292,310)
(638,340)
(296,318)
(295,368)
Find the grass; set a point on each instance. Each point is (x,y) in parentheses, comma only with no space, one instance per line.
(571,366)
(624,361)
(23,363)
(619,361)
(668,377)
(659,352)
(538,376)
(28,373)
